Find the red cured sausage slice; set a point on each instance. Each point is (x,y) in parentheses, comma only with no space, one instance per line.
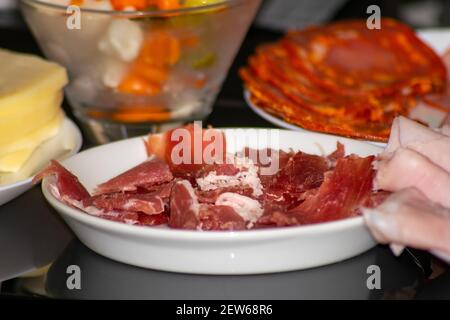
(348,58)
(272,100)
(345,79)
(272,65)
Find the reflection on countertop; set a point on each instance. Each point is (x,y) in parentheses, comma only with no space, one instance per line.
(102,278)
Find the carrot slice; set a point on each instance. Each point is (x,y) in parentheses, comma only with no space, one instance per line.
(135,84)
(161,49)
(165,4)
(123,4)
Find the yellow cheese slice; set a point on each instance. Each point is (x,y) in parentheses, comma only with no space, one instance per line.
(57,147)
(15,127)
(26,79)
(12,162)
(15,160)
(30,98)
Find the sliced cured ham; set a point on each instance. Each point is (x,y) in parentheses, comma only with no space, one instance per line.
(145,203)
(152,220)
(150,172)
(162,191)
(249,209)
(343,191)
(64,185)
(302,172)
(220,217)
(212,195)
(234,195)
(408,218)
(337,154)
(184,206)
(408,168)
(242,175)
(118,216)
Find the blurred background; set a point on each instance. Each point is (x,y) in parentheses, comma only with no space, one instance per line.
(286,14)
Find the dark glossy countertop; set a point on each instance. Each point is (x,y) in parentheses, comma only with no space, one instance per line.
(32,237)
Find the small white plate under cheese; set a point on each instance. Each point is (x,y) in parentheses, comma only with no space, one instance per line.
(65,143)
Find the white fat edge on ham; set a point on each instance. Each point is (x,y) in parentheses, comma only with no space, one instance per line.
(91,210)
(132,202)
(247,176)
(96,212)
(195,205)
(249,209)
(55,192)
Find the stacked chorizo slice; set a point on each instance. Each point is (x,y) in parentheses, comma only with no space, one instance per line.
(344,78)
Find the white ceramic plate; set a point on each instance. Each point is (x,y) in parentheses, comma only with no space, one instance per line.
(219,252)
(69,135)
(438,39)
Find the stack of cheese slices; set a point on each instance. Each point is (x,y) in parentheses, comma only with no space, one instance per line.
(30,110)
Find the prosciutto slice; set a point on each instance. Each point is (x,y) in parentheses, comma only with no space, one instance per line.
(150,172)
(118,216)
(64,185)
(299,172)
(220,217)
(211,196)
(152,220)
(249,209)
(343,191)
(145,203)
(184,206)
(408,218)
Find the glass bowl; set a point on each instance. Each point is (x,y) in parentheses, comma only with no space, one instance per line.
(133,72)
